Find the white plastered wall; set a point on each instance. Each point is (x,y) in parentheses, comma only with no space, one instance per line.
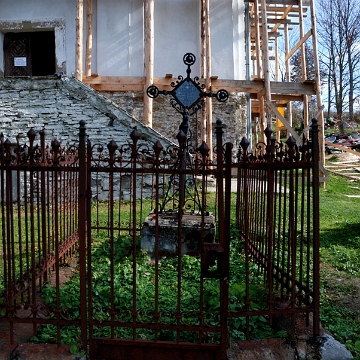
(35,15)
(118,39)
(227,39)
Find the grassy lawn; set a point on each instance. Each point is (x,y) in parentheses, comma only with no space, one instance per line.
(340,261)
(340,269)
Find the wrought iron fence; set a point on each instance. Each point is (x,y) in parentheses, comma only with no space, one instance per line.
(278,217)
(39,192)
(124,210)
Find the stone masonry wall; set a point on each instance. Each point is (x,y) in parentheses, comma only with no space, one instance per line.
(166,120)
(58,106)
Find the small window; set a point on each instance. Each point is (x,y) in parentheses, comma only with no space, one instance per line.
(29,53)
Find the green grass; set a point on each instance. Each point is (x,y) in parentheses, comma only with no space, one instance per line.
(168,292)
(340,261)
(339,251)
(339,216)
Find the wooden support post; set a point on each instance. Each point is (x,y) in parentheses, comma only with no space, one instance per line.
(88,56)
(79,39)
(203,67)
(277,129)
(287,70)
(303,65)
(208,79)
(265,58)
(205,72)
(257,40)
(149,58)
(318,84)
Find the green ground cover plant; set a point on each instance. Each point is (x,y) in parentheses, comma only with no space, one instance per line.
(340,261)
(190,278)
(340,276)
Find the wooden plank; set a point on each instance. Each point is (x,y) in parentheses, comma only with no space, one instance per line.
(130,83)
(343,148)
(208,66)
(88,55)
(79,39)
(284,99)
(343,169)
(251,86)
(257,40)
(283,2)
(99,80)
(118,87)
(297,46)
(148,58)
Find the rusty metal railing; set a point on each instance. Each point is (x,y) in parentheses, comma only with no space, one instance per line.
(55,198)
(38,194)
(278,217)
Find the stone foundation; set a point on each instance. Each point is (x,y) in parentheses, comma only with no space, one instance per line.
(168,233)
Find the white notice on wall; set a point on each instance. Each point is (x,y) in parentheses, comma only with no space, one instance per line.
(19,61)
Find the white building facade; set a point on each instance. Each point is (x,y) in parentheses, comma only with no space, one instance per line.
(118,35)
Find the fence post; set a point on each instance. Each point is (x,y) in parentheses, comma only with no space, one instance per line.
(82,211)
(223,222)
(316,226)
(43,202)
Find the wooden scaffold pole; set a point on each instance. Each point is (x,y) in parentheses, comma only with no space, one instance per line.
(203,68)
(88,55)
(318,86)
(148,58)
(303,65)
(79,39)
(205,72)
(259,69)
(208,79)
(266,65)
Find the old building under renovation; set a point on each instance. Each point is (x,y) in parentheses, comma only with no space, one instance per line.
(139,144)
(119,48)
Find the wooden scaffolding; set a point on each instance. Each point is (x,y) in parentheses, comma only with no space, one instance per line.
(268,26)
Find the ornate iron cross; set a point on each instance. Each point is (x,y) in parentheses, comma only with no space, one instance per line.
(187,94)
(187,98)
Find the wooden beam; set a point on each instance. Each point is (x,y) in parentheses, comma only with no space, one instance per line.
(88,56)
(148,58)
(283,2)
(318,85)
(282,100)
(299,43)
(265,59)
(203,66)
(133,83)
(208,82)
(343,148)
(79,39)
(257,40)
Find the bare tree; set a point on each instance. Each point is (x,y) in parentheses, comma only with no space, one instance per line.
(339,36)
(351,18)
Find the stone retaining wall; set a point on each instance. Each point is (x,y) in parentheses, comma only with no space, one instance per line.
(58,106)
(166,120)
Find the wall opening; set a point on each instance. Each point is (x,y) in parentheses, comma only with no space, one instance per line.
(29,53)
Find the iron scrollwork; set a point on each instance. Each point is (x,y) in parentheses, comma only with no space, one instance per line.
(187,98)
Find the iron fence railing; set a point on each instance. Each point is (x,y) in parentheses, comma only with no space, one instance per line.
(278,217)
(38,194)
(240,247)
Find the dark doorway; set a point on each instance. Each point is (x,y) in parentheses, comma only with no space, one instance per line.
(29,53)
